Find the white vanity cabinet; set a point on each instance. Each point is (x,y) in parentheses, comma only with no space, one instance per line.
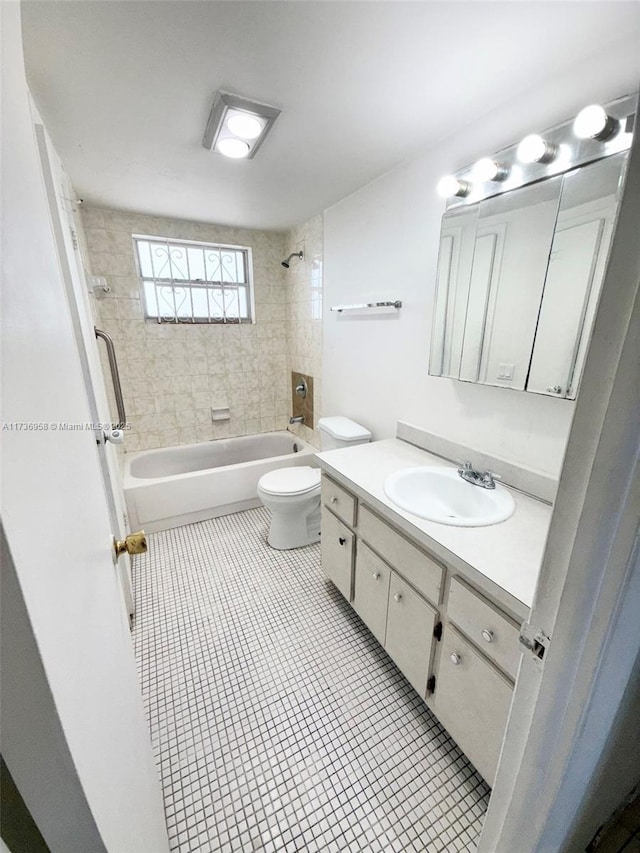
(452,642)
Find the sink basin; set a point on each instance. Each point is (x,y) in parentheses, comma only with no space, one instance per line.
(440,494)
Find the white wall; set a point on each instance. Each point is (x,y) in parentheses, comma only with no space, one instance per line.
(382,242)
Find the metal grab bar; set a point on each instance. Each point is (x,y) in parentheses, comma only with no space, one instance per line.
(115,377)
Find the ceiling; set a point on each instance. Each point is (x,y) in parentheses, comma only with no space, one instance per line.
(125,89)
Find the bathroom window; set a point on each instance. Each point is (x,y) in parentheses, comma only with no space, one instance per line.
(188,282)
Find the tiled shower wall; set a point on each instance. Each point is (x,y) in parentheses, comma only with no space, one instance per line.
(304,313)
(173,375)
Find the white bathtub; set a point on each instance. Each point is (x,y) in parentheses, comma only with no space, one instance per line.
(179,485)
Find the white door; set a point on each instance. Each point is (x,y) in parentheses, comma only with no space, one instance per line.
(59,197)
(56,521)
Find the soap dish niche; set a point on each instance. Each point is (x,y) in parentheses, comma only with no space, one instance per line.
(221,413)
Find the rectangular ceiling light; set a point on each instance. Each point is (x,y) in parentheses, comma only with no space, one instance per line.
(237,127)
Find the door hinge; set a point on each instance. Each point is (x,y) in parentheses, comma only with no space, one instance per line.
(437,631)
(431,684)
(534,640)
(74,239)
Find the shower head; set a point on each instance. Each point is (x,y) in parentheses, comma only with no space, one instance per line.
(298,255)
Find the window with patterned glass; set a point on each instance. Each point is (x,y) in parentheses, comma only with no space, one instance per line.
(184,281)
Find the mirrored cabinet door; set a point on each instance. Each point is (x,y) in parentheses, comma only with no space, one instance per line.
(576,268)
(455,259)
(512,246)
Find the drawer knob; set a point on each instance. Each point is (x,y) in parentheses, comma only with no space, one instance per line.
(375,575)
(487,635)
(334,500)
(341,540)
(455,659)
(397,596)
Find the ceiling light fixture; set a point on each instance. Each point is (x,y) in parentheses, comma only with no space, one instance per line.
(535,149)
(237,126)
(449,186)
(593,122)
(487,169)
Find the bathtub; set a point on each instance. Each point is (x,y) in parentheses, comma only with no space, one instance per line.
(179,485)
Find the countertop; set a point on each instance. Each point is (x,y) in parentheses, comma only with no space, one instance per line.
(508,554)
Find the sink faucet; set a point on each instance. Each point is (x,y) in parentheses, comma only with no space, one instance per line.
(484,479)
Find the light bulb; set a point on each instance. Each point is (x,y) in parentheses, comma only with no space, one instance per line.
(593,122)
(487,169)
(449,186)
(235,148)
(534,149)
(244,125)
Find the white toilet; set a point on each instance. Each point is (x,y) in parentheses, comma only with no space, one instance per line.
(293,494)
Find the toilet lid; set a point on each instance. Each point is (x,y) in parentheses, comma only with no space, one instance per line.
(291,481)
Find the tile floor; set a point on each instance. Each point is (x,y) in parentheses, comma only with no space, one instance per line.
(278,722)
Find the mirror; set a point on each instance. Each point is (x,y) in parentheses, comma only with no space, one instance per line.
(518,281)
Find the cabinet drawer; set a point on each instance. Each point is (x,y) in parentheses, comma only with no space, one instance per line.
(337,552)
(339,501)
(495,634)
(472,700)
(371,591)
(410,624)
(418,568)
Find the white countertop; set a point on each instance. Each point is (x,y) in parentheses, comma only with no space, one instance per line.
(508,554)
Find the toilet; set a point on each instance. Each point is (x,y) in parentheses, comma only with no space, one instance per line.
(293,494)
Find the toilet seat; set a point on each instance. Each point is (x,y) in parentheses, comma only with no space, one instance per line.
(298,480)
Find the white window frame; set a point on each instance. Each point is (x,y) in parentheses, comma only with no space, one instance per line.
(189,285)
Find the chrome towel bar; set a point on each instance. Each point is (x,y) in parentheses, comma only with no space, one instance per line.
(396,303)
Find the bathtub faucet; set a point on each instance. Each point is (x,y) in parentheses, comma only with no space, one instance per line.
(298,420)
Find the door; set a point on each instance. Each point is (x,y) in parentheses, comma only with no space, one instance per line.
(337,552)
(472,701)
(58,531)
(371,591)
(410,624)
(60,199)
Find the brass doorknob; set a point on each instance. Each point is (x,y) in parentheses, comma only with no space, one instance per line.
(134,543)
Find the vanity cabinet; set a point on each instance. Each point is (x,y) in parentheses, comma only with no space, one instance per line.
(456,647)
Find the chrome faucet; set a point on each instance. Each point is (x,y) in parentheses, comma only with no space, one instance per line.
(298,420)
(484,479)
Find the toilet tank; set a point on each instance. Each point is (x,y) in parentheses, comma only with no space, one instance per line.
(341,432)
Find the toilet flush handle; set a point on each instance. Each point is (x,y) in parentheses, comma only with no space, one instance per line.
(342,540)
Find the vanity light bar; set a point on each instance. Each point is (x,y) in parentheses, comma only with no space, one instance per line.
(596,132)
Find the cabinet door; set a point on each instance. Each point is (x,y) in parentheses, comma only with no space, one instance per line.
(410,624)
(337,552)
(371,591)
(472,700)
